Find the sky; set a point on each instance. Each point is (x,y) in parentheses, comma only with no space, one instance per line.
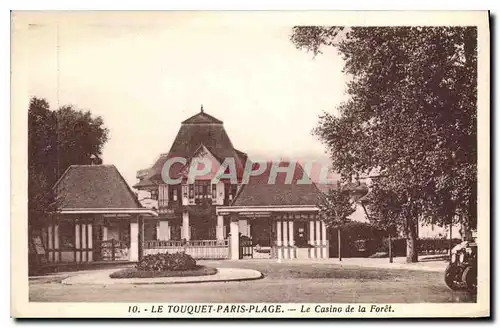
(144,78)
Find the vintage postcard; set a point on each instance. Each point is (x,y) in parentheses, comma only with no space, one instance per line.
(250,164)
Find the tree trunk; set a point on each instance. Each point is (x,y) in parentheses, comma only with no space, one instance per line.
(390,249)
(340,244)
(411,241)
(451,238)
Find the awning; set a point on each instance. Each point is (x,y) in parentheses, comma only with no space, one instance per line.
(227,210)
(140,211)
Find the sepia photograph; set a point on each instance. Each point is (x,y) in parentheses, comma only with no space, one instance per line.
(250,164)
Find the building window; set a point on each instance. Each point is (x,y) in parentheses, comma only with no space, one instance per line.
(154,194)
(191,190)
(301,233)
(214,191)
(184,191)
(66,235)
(200,189)
(173,190)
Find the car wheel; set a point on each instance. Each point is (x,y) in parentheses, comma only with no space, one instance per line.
(449,277)
(469,277)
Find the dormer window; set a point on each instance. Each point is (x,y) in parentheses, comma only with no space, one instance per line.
(202,189)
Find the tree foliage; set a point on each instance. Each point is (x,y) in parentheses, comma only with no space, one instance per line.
(56,140)
(335,207)
(410,118)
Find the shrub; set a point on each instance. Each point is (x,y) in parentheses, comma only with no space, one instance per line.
(398,246)
(166,262)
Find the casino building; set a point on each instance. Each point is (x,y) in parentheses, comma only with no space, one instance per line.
(229,218)
(242,210)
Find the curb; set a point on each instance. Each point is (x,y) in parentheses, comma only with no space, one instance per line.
(102,278)
(195,281)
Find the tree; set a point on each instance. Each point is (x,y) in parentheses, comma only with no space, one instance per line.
(56,140)
(410,117)
(335,207)
(79,137)
(386,211)
(42,150)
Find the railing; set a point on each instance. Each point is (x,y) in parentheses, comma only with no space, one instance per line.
(246,248)
(113,250)
(436,246)
(301,252)
(198,249)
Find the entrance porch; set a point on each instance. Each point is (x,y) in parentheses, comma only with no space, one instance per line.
(292,232)
(94,236)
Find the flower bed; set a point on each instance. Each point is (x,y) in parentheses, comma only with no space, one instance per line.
(179,261)
(135,273)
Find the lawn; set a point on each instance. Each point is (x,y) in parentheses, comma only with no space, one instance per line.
(282,282)
(200,270)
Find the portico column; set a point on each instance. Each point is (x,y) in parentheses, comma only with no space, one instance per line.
(311,239)
(133,254)
(235,238)
(50,242)
(285,240)
(169,232)
(185,226)
(278,239)
(324,253)
(141,236)
(77,242)
(104,233)
(50,237)
(219,232)
(318,239)
(163,230)
(90,253)
(83,238)
(292,241)
(56,241)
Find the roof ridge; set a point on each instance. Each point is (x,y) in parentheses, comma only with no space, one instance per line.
(131,192)
(202,113)
(92,165)
(61,177)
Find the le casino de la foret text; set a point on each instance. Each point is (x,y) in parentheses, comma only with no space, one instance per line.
(261,308)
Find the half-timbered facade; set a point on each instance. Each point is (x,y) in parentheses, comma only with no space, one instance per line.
(228,217)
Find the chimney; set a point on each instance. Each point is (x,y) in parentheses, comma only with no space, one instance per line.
(95,160)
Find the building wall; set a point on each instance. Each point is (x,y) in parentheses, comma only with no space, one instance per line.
(424,230)
(359,215)
(435,231)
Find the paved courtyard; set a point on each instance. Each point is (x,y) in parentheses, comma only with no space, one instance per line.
(283,282)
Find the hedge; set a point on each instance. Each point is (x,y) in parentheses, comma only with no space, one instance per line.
(367,247)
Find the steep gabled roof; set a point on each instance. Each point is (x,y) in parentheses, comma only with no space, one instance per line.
(199,129)
(202,118)
(357,190)
(259,192)
(243,156)
(95,187)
